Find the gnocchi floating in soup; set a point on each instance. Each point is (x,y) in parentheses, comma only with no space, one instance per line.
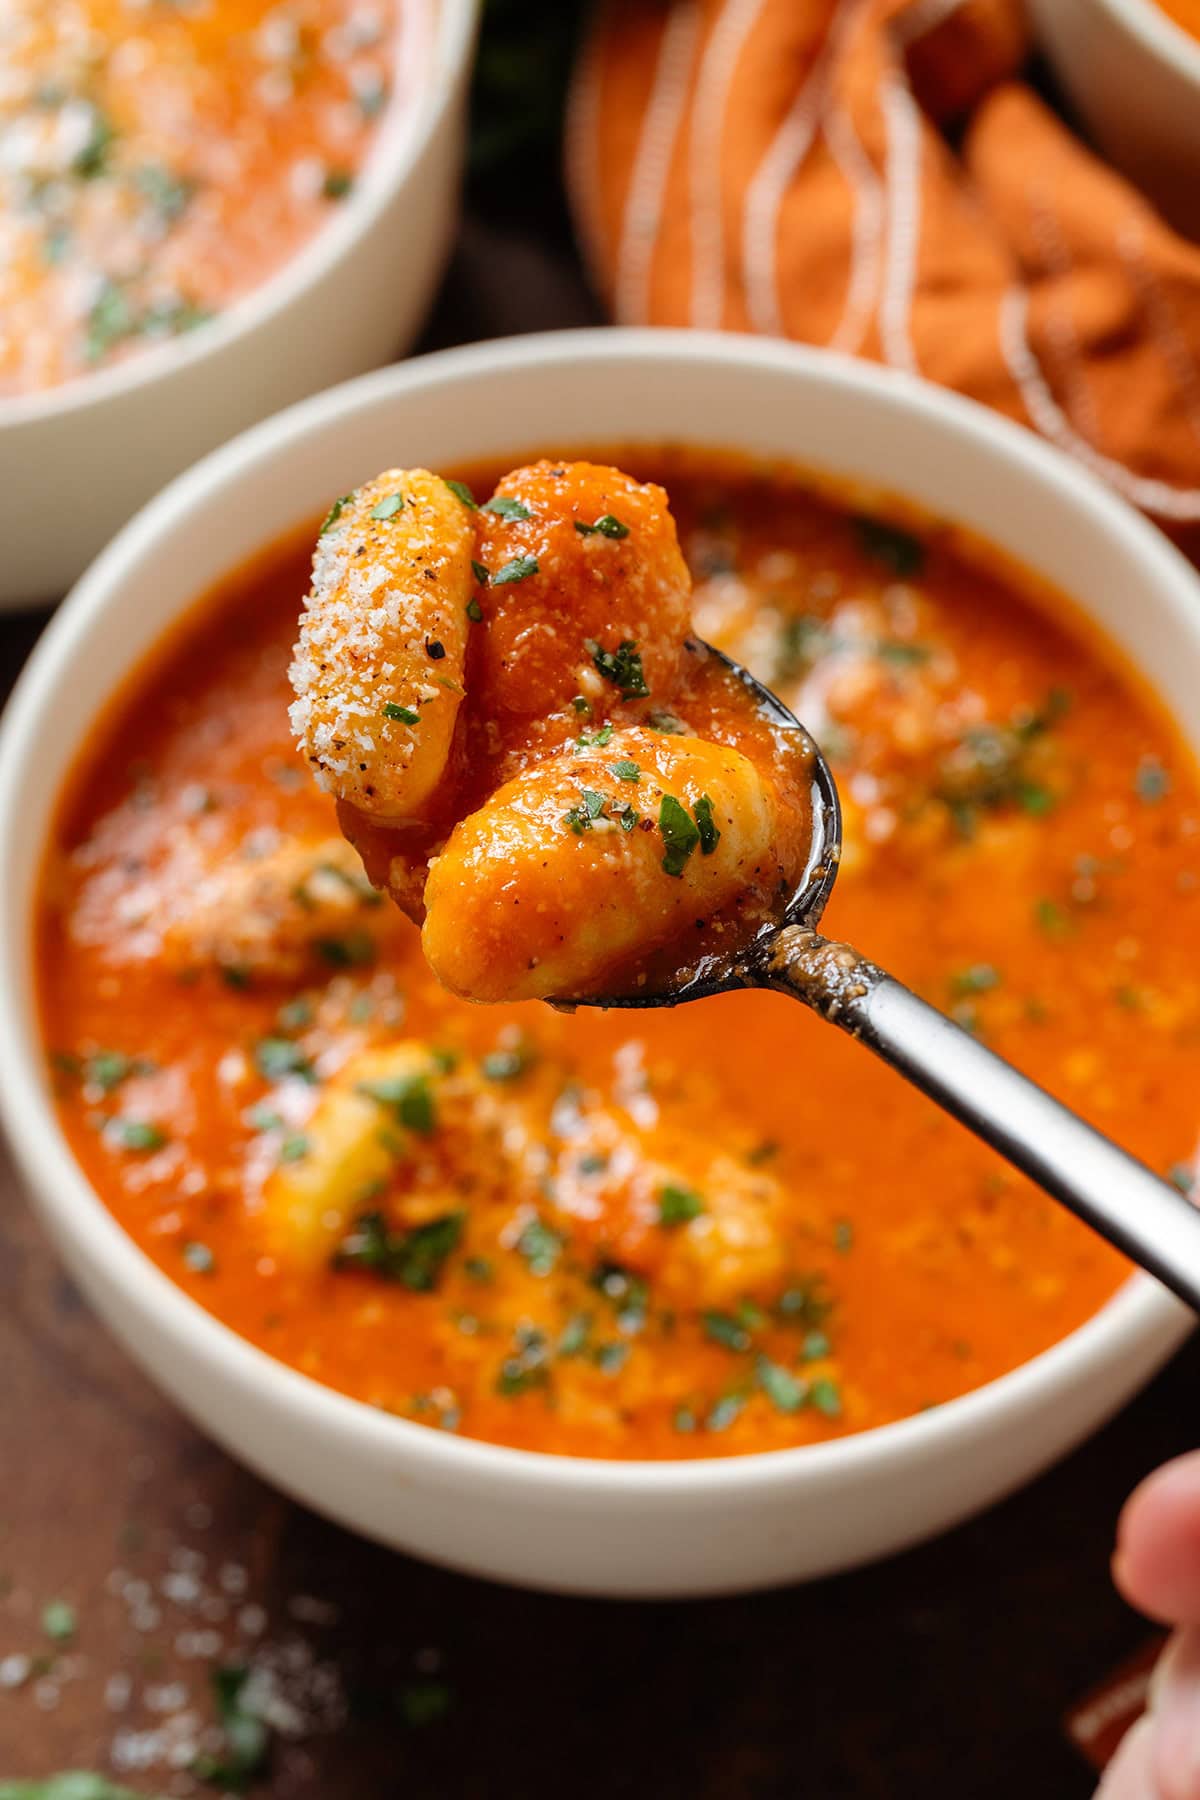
(698,1232)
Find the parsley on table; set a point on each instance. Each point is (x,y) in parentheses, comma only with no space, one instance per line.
(58,1621)
(680,834)
(622,666)
(247,1737)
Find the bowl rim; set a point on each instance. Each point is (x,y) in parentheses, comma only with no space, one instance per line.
(1138,1310)
(1160,35)
(447,29)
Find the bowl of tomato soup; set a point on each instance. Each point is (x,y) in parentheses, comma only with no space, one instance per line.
(667,1303)
(1132,68)
(205,213)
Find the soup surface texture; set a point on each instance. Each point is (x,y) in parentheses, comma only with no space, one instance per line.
(702,1232)
(158,160)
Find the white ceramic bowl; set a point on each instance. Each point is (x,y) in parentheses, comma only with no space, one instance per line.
(574,1524)
(1135,77)
(80,458)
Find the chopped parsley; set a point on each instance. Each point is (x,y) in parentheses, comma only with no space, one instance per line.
(474,611)
(136,1134)
(816,1346)
(627,1292)
(899,551)
(575,1333)
(723,1414)
(247,1737)
(167,192)
(580,817)
(505,508)
(388,507)
(353,951)
(710,836)
(581,705)
(527,1366)
(107,1069)
(668,723)
(481,573)
(505,1065)
(275,1057)
(593,740)
(516,570)
(294,1148)
(199,1258)
(462,492)
(803,1302)
(58,1621)
(1151,782)
(680,834)
(93,157)
(978,978)
(337,184)
(622,666)
(413,1258)
(625,770)
(843,1236)
(1182,1177)
(780,1386)
(393,710)
(410,1097)
(678,1205)
(540,1245)
(826,1396)
(604,526)
(627,817)
(725,1329)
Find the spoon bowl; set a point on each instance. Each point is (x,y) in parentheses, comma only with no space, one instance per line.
(1142,1215)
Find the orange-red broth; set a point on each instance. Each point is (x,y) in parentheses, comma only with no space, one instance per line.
(1022,833)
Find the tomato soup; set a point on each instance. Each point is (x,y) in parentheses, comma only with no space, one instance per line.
(161,159)
(698,1232)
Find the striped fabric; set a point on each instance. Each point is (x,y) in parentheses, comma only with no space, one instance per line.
(869,175)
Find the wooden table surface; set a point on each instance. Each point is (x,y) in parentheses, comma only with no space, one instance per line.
(944,1672)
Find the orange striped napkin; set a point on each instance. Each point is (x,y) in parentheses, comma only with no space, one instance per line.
(870,175)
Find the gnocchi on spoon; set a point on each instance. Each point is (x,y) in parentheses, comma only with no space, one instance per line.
(579,801)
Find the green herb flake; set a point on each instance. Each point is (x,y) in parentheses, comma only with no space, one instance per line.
(517,570)
(506,508)
(622,666)
(897,550)
(724,1329)
(593,740)
(683,1420)
(424,1703)
(59,1622)
(406,715)
(1052,919)
(1151,783)
(803,1302)
(526,1367)
(625,770)
(337,184)
(264,1118)
(843,1237)
(199,1258)
(710,836)
(388,507)
(610,1359)
(474,611)
(604,526)
(482,575)
(136,1134)
(505,1065)
(335,512)
(826,1396)
(1182,1176)
(167,192)
(678,1205)
(723,1414)
(668,723)
(107,1069)
(294,1148)
(462,492)
(581,705)
(540,1245)
(573,1339)
(72,1784)
(816,1347)
(295,1015)
(410,1097)
(782,1389)
(479,1269)
(591,804)
(680,834)
(978,978)
(275,1057)
(413,1258)
(247,1737)
(92,159)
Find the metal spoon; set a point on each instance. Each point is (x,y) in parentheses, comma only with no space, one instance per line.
(1145,1217)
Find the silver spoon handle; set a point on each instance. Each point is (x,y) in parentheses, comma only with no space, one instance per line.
(1147,1218)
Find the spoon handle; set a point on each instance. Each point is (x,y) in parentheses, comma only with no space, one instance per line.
(1147,1218)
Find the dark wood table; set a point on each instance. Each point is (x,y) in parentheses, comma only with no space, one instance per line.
(944,1672)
